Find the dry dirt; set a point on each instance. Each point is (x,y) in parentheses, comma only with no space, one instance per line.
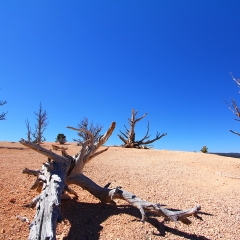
(176,180)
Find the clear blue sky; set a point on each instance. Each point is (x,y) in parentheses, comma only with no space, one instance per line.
(100,59)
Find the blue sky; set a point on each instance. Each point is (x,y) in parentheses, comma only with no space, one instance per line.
(100,59)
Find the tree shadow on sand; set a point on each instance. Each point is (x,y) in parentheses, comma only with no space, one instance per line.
(86,220)
(16,148)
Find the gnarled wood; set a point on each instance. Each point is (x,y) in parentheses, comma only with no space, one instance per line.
(107,195)
(128,137)
(61,171)
(55,147)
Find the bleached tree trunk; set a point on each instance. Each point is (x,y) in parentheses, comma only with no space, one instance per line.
(59,172)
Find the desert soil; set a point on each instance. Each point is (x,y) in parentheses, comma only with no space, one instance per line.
(176,180)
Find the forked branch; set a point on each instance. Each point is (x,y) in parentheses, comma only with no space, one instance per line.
(89,149)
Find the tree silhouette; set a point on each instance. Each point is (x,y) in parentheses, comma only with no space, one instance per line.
(40,126)
(234,107)
(128,137)
(94,129)
(2,115)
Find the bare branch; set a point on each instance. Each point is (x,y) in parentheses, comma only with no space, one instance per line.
(158,136)
(138,119)
(124,140)
(55,157)
(235,132)
(94,129)
(104,194)
(154,208)
(146,135)
(2,115)
(89,148)
(41,125)
(234,108)
(237,81)
(125,135)
(31,172)
(98,153)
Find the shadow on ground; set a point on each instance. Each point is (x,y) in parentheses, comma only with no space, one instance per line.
(233,155)
(17,148)
(86,220)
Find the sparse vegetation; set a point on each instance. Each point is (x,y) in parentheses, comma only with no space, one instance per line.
(128,137)
(204,149)
(61,138)
(92,128)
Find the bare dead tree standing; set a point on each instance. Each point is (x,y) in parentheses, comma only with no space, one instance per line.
(59,172)
(94,129)
(29,131)
(40,126)
(234,108)
(128,137)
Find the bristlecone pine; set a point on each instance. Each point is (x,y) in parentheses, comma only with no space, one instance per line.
(59,172)
(128,137)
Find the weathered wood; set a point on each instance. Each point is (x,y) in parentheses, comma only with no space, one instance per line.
(48,212)
(55,157)
(55,147)
(128,137)
(107,195)
(61,171)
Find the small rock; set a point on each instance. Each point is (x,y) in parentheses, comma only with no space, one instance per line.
(12,200)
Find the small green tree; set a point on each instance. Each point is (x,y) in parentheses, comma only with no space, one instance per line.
(204,149)
(61,138)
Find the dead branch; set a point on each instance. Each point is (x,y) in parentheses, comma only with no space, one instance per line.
(40,126)
(2,115)
(55,147)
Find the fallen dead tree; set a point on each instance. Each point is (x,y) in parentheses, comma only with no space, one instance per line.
(59,172)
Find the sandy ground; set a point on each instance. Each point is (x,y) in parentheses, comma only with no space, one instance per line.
(176,180)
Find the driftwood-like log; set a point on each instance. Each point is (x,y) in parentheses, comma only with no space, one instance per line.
(128,137)
(61,171)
